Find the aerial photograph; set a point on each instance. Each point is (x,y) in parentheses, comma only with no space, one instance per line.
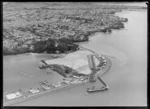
(74,53)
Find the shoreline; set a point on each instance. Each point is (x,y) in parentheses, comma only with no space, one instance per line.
(72,24)
(43,93)
(68,28)
(122,78)
(73,43)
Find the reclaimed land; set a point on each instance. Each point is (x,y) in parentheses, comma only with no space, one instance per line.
(43,93)
(77,61)
(54,27)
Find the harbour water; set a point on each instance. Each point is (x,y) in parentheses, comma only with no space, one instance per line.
(22,71)
(127,78)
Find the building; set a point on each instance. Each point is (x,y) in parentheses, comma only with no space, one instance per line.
(13,95)
(34,91)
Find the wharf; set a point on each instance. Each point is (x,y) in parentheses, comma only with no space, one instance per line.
(42,93)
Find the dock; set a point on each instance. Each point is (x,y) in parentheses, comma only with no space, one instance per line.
(51,90)
(22,99)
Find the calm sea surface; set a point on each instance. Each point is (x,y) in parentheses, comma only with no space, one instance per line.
(127,78)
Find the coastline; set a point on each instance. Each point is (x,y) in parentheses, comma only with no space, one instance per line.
(100,73)
(31,37)
(122,78)
(41,94)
